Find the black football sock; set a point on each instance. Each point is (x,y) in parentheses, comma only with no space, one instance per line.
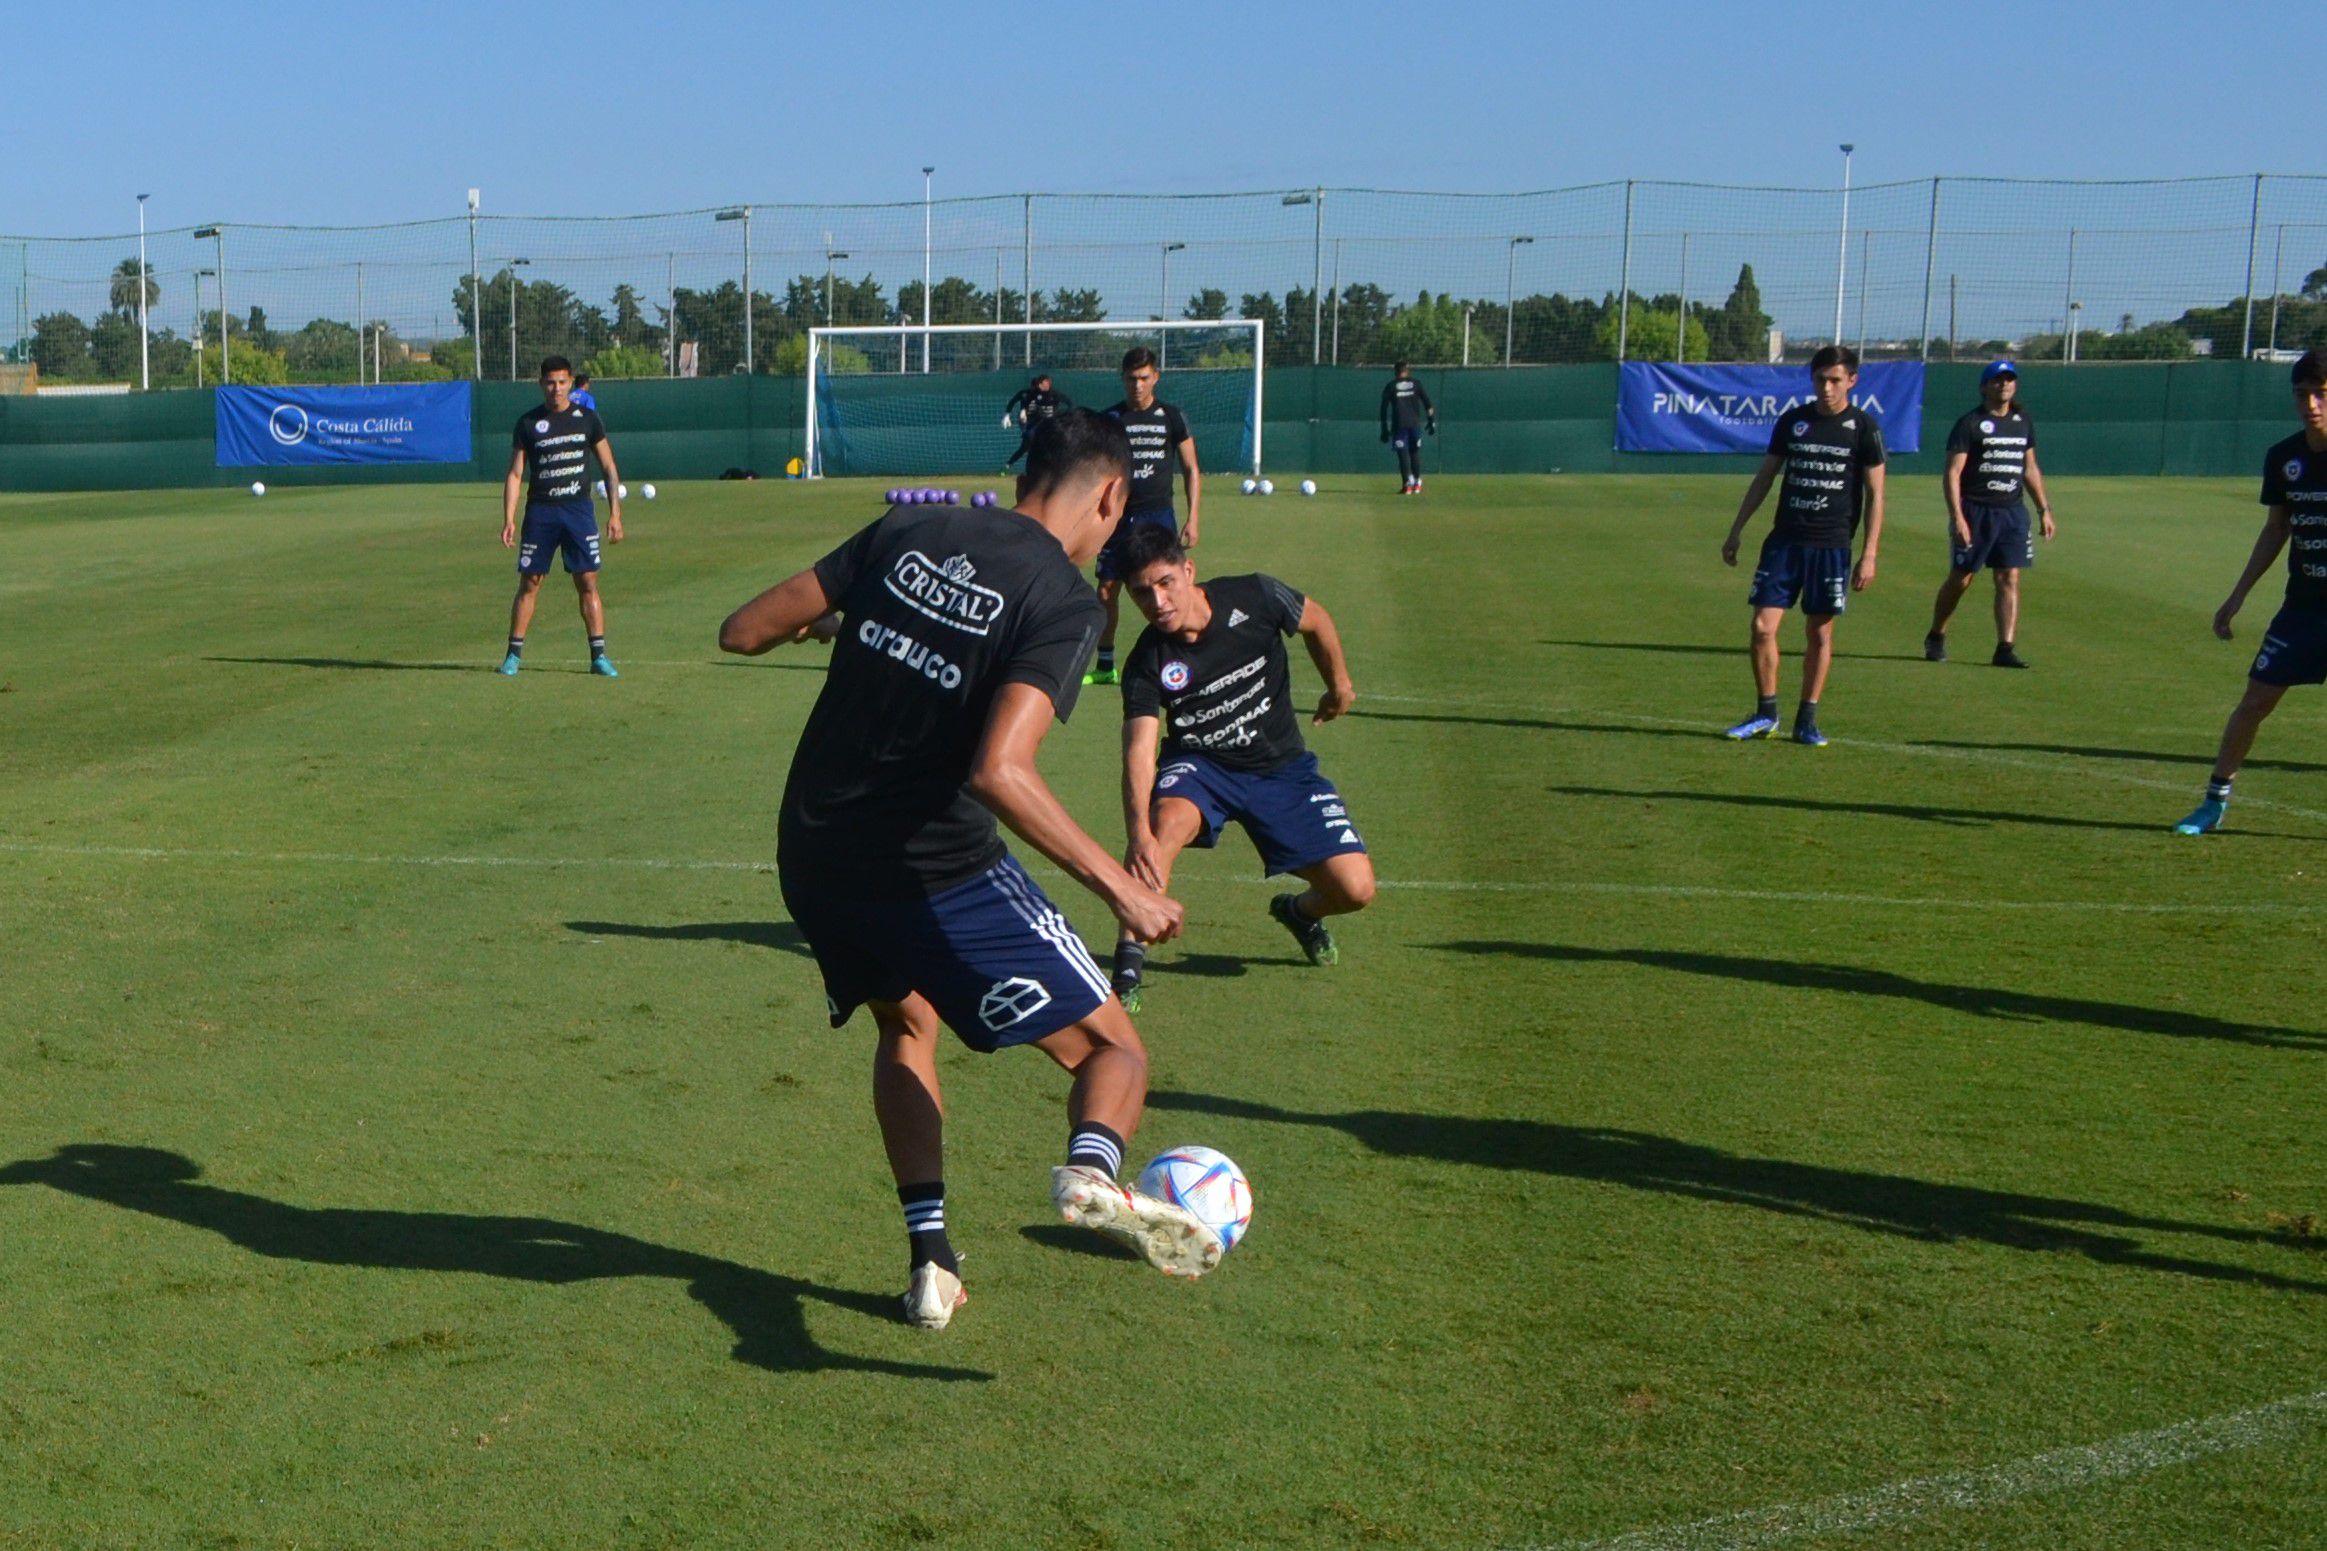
(1094,1144)
(1416,455)
(1766,708)
(2218,788)
(1806,714)
(925,1225)
(1130,960)
(1107,658)
(597,646)
(517,646)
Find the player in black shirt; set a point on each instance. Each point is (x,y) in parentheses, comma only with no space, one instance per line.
(549,463)
(961,635)
(1406,409)
(1210,669)
(1831,454)
(2294,645)
(1991,458)
(1159,442)
(1029,407)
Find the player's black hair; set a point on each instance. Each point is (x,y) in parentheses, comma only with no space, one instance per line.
(1835,355)
(2311,370)
(581,379)
(1077,442)
(1038,377)
(1136,357)
(1397,366)
(555,363)
(1147,543)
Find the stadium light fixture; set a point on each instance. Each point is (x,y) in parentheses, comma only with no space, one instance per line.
(1163,305)
(830,253)
(743,213)
(1842,259)
(225,358)
(199,276)
(145,374)
(514,266)
(1510,278)
(926,174)
(1316,197)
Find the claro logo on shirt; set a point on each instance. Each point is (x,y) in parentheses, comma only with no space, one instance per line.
(945,592)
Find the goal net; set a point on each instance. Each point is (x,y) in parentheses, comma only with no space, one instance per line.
(913,401)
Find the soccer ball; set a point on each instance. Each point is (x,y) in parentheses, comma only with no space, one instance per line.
(258,487)
(598,488)
(647,491)
(1308,487)
(1268,487)
(1251,485)
(1207,1183)
(622,492)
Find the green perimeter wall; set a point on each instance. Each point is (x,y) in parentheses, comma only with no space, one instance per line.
(2199,417)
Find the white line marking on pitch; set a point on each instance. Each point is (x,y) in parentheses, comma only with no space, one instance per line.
(2059,1470)
(1424,885)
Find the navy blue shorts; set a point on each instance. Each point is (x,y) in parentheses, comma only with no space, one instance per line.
(1111,553)
(993,956)
(2294,648)
(2000,540)
(1816,575)
(1406,441)
(569,526)
(1294,816)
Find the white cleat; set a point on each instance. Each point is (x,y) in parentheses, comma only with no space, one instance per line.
(934,1295)
(1170,1238)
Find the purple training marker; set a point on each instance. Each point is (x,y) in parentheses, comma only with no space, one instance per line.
(890,495)
(953,497)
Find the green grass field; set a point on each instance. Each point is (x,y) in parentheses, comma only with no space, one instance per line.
(421,1128)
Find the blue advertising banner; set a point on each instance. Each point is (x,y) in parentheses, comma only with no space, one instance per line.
(1665,408)
(419,422)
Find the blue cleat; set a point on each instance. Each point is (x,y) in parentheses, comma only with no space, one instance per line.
(1754,727)
(2204,819)
(1809,737)
(509,666)
(604,669)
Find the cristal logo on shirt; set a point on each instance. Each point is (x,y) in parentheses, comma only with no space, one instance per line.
(945,592)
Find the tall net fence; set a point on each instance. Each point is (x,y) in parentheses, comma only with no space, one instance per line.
(2144,270)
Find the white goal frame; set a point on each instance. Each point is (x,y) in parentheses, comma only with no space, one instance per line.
(812,460)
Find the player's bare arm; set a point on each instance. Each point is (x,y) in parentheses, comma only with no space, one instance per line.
(1755,493)
(785,613)
(1142,856)
(2035,482)
(512,491)
(1005,778)
(1864,577)
(1193,477)
(2267,545)
(613,490)
(1950,480)
(1324,643)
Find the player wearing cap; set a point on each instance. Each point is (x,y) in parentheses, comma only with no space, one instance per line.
(1831,454)
(1991,458)
(549,465)
(1406,409)
(1028,408)
(2294,644)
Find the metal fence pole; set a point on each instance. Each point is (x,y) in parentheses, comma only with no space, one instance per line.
(1337,301)
(1317,282)
(1930,262)
(997,309)
(2253,230)
(2068,300)
(1681,334)
(2277,283)
(359,321)
(1026,276)
(476,301)
(1624,280)
(1866,250)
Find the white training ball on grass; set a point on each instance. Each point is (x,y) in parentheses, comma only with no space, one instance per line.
(1268,487)
(258,487)
(622,492)
(1251,485)
(598,489)
(1308,487)
(647,491)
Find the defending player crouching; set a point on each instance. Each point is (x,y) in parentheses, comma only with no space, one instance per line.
(1211,669)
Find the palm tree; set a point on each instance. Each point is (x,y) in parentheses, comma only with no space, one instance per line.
(122,296)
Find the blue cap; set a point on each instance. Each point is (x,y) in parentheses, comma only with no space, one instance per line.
(1995,369)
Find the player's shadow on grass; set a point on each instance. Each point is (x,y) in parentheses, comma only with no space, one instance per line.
(1979,1001)
(1968,818)
(1218,966)
(756,934)
(764,1310)
(1890,1204)
(362,664)
(1538,723)
(1731,649)
(2188,757)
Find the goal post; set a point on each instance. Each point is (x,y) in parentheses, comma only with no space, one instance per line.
(877,407)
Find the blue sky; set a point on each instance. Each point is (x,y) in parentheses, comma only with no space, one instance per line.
(344,114)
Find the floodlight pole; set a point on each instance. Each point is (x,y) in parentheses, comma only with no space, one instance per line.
(1026,274)
(514,266)
(997,309)
(1163,307)
(2253,231)
(830,253)
(2068,302)
(2277,263)
(743,213)
(1842,259)
(1337,301)
(925,271)
(1624,281)
(225,356)
(1930,268)
(1681,333)
(1510,291)
(476,300)
(359,322)
(1316,198)
(197,335)
(145,374)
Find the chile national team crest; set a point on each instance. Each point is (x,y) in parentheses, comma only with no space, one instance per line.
(1175,676)
(1801,428)
(2294,468)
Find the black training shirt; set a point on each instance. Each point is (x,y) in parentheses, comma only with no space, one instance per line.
(2295,477)
(1038,406)
(1156,433)
(1995,449)
(1228,694)
(1404,405)
(557,452)
(1827,457)
(942,607)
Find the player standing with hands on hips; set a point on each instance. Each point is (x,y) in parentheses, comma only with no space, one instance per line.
(1406,408)
(549,465)
(1159,442)
(2294,644)
(1831,454)
(1991,457)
